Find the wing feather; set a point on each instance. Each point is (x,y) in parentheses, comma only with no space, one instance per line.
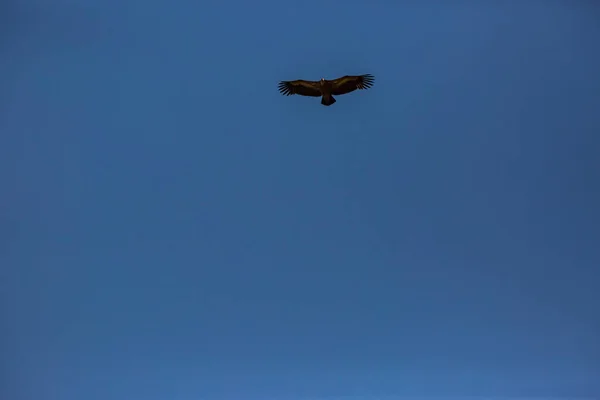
(350,83)
(301,87)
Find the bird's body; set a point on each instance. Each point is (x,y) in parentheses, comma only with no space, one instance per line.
(326,97)
(326,89)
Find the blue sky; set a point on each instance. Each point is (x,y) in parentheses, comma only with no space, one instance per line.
(171,227)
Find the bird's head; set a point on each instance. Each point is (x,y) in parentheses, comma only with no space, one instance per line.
(322,81)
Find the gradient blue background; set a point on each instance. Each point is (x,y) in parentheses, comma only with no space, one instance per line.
(171,227)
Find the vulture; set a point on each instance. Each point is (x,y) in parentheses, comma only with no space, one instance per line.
(326,89)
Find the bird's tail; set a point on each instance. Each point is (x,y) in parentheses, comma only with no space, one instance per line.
(327,100)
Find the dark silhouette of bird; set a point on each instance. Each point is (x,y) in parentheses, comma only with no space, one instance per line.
(326,89)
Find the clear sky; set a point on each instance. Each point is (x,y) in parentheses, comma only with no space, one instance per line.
(171,227)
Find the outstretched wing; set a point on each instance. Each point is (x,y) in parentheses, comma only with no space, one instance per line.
(350,83)
(303,88)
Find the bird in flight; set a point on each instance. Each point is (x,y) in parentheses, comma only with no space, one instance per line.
(326,89)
